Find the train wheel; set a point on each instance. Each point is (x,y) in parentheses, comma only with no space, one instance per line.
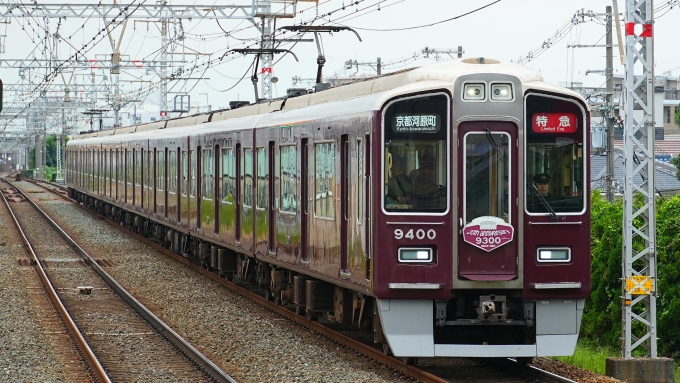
(312,317)
(386,349)
(267,295)
(299,310)
(524,361)
(410,360)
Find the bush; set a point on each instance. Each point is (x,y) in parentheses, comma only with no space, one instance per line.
(602,311)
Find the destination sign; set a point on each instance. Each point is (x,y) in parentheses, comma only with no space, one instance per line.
(424,123)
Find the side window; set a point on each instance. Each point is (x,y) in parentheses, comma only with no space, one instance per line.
(208,172)
(262,179)
(138,167)
(172,168)
(160,171)
(248,177)
(324,156)
(185,172)
(128,176)
(288,184)
(194,167)
(228,175)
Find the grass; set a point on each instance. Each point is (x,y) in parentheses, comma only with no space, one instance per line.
(590,357)
(593,358)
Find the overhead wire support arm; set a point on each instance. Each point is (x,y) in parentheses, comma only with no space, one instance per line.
(316,29)
(319,28)
(260,51)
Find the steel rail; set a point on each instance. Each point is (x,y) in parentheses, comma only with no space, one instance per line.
(204,364)
(76,334)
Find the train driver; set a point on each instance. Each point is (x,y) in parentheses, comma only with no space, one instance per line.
(399,184)
(542,182)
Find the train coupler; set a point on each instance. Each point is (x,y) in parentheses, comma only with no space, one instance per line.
(492,307)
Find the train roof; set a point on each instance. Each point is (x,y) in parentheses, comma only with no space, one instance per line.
(368,94)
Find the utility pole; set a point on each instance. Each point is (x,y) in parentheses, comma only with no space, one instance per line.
(609,109)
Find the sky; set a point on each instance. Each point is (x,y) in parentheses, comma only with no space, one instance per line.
(506,30)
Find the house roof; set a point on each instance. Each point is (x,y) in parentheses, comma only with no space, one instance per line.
(664,177)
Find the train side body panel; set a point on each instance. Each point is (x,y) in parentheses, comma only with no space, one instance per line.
(414,196)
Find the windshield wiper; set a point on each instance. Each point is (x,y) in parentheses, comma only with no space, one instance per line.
(545,203)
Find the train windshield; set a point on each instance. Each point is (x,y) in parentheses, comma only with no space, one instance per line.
(555,165)
(487,173)
(415,175)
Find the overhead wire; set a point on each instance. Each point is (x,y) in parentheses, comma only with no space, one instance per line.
(48,78)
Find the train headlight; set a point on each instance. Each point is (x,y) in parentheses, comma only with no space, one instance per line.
(553,254)
(412,254)
(474,92)
(501,92)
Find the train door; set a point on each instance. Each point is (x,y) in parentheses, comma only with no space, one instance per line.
(174,172)
(200,191)
(228,216)
(194,168)
(184,187)
(247,197)
(215,187)
(271,197)
(366,198)
(261,222)
(488,250)
(237,195)
(344,201)
(304,198)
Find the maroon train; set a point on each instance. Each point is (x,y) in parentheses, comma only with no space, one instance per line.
(404,204)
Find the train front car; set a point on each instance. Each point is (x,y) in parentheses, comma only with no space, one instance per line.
(484,219)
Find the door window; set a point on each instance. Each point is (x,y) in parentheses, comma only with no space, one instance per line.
(487,174)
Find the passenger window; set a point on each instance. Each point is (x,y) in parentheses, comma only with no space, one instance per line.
(208,171)
(262,179)
(248,177)
(228,175)
(324,154)
(288,178)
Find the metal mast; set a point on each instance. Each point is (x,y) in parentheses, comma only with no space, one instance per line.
(639,263)
(164,64)
(267,59)
(609,110)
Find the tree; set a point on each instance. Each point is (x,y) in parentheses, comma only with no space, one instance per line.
(676,160)
(51,152)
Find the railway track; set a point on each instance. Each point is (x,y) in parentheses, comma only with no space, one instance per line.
(119,338)
(433,370)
